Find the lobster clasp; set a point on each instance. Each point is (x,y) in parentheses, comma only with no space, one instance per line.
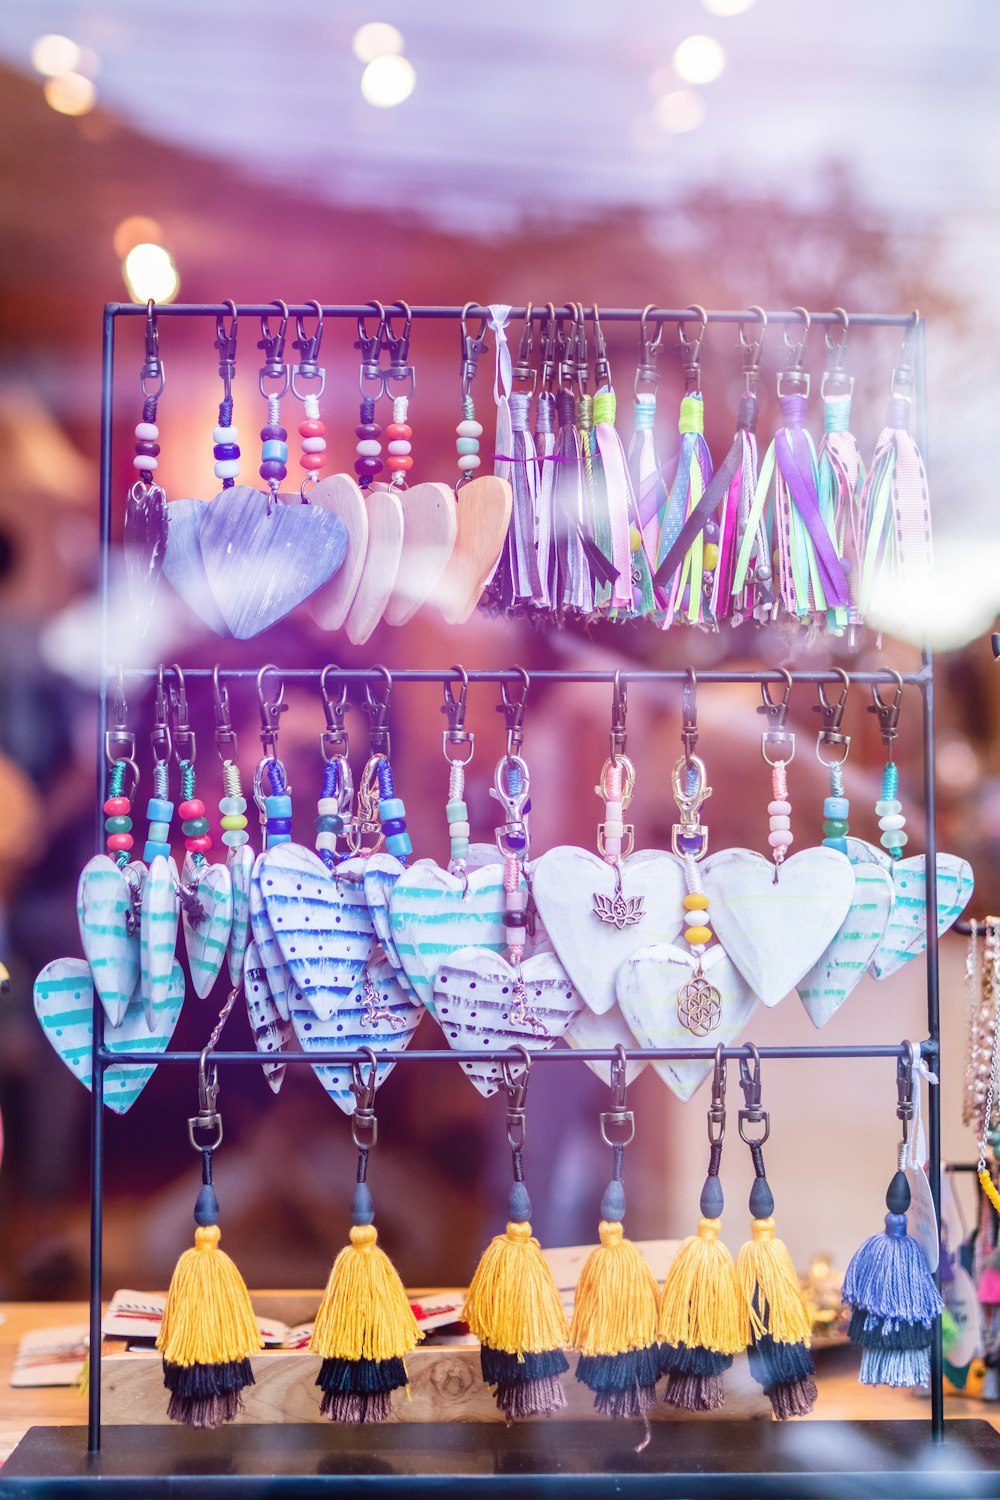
(364,1124)
(618,1122)
(511,788)
(689,780)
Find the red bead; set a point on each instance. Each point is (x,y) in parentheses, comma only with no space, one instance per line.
(399,462)
(193,809)
(399,430)
(312,427)
(312,460)
(199,845)
(117,807)
(118,841)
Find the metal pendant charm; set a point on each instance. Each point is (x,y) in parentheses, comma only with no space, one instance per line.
(618,911)
(699,1005)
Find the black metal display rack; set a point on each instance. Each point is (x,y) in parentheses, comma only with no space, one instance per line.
(717,1458)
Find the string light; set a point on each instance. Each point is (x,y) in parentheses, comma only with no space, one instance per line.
(376,39)
(53,54)
(388,80)
(70,94)
(680,111)
(149,271)
(699,59)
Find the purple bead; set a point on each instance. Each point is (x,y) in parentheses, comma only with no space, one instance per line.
(272,469)
(689,843)
(368,430)
(226,450)
(150,449)
(278,434)
(516,841)
(711,532)
(367,466)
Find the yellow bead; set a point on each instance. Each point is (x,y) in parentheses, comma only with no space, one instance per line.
(634,538)
(710,556)
(695,901)
(696,935)
(233,821)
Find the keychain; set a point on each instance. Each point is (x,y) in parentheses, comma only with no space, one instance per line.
(840,470)
(160,916)
(643,458)
(685,576)
(517,583)
(632,590)
(146,508)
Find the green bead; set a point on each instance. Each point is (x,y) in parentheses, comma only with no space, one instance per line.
(119,824)
(464,445)
(456,811)
(232,822)
(894,838)
(835,828)
(882,809)
(230,805)
(193,828)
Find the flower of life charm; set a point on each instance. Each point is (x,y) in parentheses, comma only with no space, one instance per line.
(699,1005)
(618,911)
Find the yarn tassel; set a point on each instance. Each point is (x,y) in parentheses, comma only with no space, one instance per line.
(209,1330)
(365,1325)
(840,478)
(633,588)
(890,1289)
(895,545)
(684,581)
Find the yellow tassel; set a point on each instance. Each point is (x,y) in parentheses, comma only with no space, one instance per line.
(513,1303)
(765,1268)
(208,1319)
(365,1313)
(989,1188)
(700,1306)
(616,1296)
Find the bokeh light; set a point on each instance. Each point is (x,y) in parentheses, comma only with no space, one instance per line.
(376,39)
(149,271)
(387,81)
(70,94)
(53,54)
(135,230)
(680,111)
(726,7)
(699,59)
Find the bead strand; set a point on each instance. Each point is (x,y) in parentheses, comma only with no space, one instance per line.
(117,822)
(368,448)
(889,811)
(611,833)
(515,914)
(469,431)
(835,811)
(329,823)
(233,807)
(697,917)
(277,809)
(392,815)
(779,812)
(311,430)
(457,813)
(159,811)
(147,447)
(398,447)
(194,823)
(274,447)
(226,451)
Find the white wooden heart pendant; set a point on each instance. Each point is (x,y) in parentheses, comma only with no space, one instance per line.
(240,864)
(481,1006)
(158,932)
(377,1013)
(483,509)
(270,1032)
(183,565)
(320,922)
(652,992)
(381,873)
(279,981)
(434,913)
(341,496)
(832,978)
(593,926)
(207,939)
(430,530)
(385,548)
(64,1004)
(109,931)
(587,1030)
(775,931)
(906,934)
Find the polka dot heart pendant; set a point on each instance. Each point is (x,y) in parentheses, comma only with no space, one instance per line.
(271,1034)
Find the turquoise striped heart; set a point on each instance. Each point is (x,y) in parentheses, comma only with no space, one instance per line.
(381,873)
(108,932)
(832,978)
(206,940)
(240,863)
(321,923)
(906,934)
(158,933)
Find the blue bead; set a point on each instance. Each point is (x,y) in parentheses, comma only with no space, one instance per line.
(273,839)
(279,825)
(391,807)
(232,806)
(393,825)
(278,807)
(329,823)
(399,844)
(840,844)
(275,450)
(836,807)
(159,810)
(225,450)
(152,849)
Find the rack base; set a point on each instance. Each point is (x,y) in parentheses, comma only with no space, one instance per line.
(709,1459)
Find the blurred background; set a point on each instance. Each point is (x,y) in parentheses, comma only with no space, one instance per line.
(719,151)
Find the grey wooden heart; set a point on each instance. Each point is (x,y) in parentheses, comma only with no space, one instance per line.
(183,565)
(571,886)
(774,931)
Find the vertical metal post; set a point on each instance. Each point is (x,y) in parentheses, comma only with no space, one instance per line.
(104,574)
(96,1240)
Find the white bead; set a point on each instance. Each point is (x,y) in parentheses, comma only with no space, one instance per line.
(892,820)
(697,918)
(516,900)
(469,428)
(780,838)
(468,462)
(226,435)
(369,448)
(614,830)
(613,812)
(326,841)
(314,445)
(147,431)
(779,806)
(327,807)
(458,830)
(778,820)
(399,445)
(144,461)
(227,468)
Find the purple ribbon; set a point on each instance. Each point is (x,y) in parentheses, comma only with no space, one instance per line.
(794,459)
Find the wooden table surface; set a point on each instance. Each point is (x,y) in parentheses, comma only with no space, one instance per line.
(841,1397)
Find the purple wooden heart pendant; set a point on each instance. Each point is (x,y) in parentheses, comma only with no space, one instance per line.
(263,557)
(182,563)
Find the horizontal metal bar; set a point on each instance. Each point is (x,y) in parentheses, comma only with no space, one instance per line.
(575,1054)
(606,314)
(546,674)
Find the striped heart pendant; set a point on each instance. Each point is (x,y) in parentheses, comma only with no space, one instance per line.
(270,1032)
(321,923)
(207,937)
(381,873)
(158,933)
(109,931)
(279,981)
(240,864)
(906,934)
(832,978)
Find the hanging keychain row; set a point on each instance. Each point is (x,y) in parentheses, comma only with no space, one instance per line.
(568,525)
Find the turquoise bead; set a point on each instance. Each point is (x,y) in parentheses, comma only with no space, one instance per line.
(391,807)
(278,807)
(465,445)
(836,807)
(840,844)
(193,828)
(459,848)
(894,838)
(159,833)
(329,823)
(274,449)
(159,810)
(119,824)
(456,812)
(278,838)
(235,838)
(399,844)
(230,806)
(153,848)
(883,809)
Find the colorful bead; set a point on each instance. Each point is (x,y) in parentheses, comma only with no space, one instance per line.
(192,808)
(695,901)
(159,832)
(275,450)
(233,821)
(329,823)
(144,461)
(273,839)
(278,806)
(279,825)
(115,806)
(193,828)
(311,427)
(327,841)
(894,840)
(235,838)
(710,556)
(835,827)
(780,838)
(159,810)
(399,844)
(198,845)
(456,811)
(888,808)
(391,807)
(227,468)
(273,433)
(779,807)
(836,807)
(229,805)
(328,806)
(118,824)
(469,462)
(892,821)
(226,435)
(272,469)
(393,825)
(469,428)
(466,445)
(147,432)
(698,936)
(119,841)
(153,848)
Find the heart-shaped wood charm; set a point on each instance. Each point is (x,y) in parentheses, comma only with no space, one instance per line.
(183,565)
(832,978)
(434,913)
(377,1013)
(158,932)
(279,981)
(656,984)
(340,495)
(587,1030)
(593,925)
(483,509)
(207,939)
(144,537)
(270,1032)
(320,921)
(240,864)
(378,577)
(109,932)
(263,556)
(481,1006)
(381,873)
(775,931)
(906,934)
(64,1005)
(430,531)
